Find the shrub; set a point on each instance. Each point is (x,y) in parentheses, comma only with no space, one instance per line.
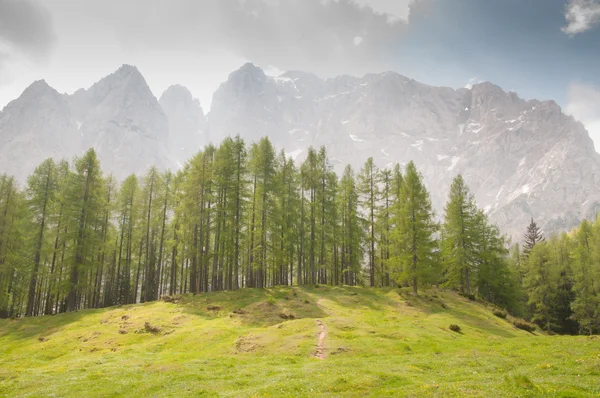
(287,315)
(468,296)
(455,328)
(520,324)
(271,301)
(500,313)
(444,306)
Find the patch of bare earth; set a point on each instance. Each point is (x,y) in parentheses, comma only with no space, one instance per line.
(321,353)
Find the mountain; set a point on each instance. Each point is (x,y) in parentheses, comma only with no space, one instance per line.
(187,122)
(118,116)
(521,159)
(37,125)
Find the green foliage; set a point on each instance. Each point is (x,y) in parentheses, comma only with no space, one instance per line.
(500,313)
(413,233)
(523,325)
(454,328)
(240,215)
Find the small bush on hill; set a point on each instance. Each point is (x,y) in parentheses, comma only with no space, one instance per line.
(520,324)
(455,328)
(500,313)
(468,296)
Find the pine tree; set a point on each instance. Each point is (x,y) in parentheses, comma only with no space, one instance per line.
(540,281)
(459,236)
(368,179)
(352,233)
(414,232)
(532,237)
(85,201)
(586,306)
(41,188)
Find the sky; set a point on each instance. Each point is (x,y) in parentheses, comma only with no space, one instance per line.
(544,49)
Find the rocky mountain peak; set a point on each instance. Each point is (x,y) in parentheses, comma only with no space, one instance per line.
(187,122)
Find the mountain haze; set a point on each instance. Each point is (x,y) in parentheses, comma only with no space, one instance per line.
(521,158)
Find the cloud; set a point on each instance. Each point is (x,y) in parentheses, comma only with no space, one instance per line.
(25,30)
(581,15)
(584,105)
(472,81)
(314,35)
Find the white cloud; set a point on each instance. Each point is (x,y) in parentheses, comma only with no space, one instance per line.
(581,15)
(395,10)
(472,81)
(583,104)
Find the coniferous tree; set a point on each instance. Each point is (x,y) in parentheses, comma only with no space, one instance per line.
(41,188)
(414,232)
(586,306)
(460,236)
(533,236)
(368,180)
(85,201)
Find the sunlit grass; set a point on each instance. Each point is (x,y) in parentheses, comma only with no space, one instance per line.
(379,343)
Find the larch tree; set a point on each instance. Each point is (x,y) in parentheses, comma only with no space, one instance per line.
(414,233)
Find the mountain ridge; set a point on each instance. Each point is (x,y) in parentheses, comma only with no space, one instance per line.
(521,158)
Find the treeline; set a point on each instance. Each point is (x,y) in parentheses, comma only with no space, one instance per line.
(239,216)
(560,279)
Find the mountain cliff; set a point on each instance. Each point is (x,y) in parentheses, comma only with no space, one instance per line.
(521,158)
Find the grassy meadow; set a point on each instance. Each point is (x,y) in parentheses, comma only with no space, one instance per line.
(295,341)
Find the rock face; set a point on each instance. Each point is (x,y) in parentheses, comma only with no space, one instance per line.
(118,116)
(36,126)
(520,158)
(187,122)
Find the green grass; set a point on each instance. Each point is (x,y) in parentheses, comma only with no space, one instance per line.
(379,343)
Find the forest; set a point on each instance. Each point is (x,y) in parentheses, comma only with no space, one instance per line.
(245,216)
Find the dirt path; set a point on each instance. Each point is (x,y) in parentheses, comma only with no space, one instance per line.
(321,353)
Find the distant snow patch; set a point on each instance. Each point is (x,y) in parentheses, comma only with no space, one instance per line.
(584,203)
(441,157)
(346,122)
(418,145)
(405,135)
(355,138)
(79,124)
(385,153)
(522,162)
(487,209)
(526,188)
(455,160)
(358,40)
(432,139)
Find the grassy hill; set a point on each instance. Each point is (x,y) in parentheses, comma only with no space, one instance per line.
(301,341)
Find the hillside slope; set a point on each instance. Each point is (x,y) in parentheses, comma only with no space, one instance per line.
(325,341)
